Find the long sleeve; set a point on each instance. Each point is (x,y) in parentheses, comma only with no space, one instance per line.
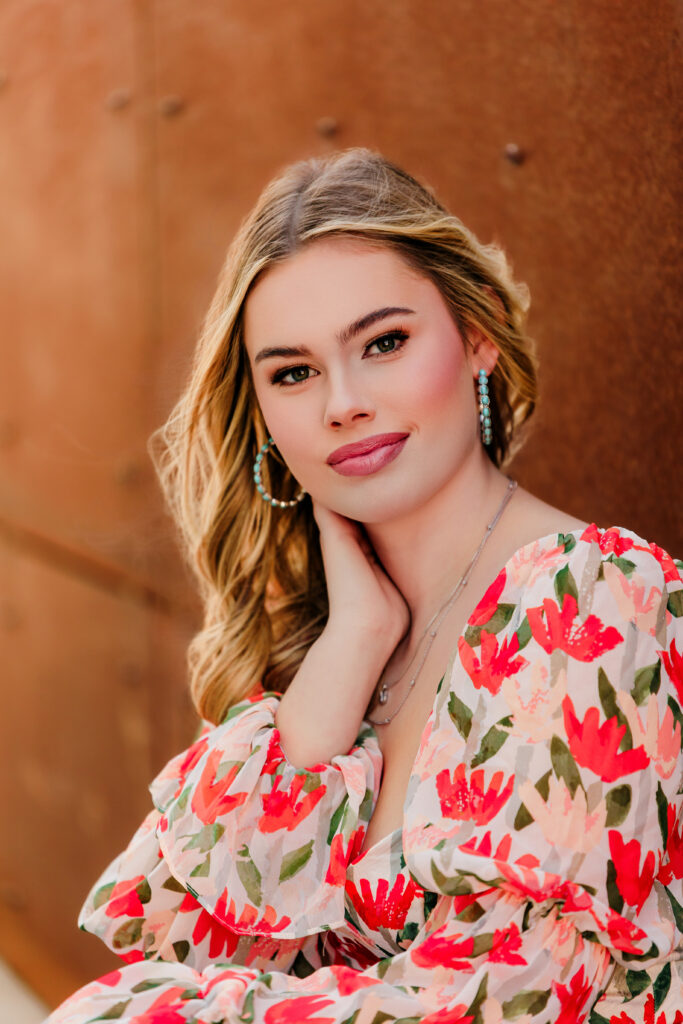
(234,821)
(542,828)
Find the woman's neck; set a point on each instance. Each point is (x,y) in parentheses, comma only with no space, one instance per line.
(426,552)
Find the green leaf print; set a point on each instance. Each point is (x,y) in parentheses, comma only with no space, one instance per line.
(475,1006)
(144,891)
(532,1001)
(206,838)
(662,985)
(677,910)
(311,782)
(637,982)
(624,564)
(618,802)
(614,897)
(675,711)
(202,870)
(662,809)
(334,822)
(565,583)
(523,633)
(564,764)
(523,818)
(181,950)
(173,885)
(145,986)
(460,715)
(453,885)
(498,620)
(294,861)
(102,895)
(646,681)
(608,699)
(250,877)
(675,603)
(492,741)
(114,1012)
(128,933)
(568,540)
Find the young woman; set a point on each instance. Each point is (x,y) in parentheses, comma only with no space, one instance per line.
(439,777)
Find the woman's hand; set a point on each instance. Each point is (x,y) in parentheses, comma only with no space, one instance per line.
(320,714)
(362,598)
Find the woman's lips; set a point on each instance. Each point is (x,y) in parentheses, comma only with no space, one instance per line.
(368,456)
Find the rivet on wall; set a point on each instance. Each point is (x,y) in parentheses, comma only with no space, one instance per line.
(170,106)
(118,99)
(327,126)
(514,153)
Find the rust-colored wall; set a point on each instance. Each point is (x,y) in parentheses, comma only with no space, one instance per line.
(137,133)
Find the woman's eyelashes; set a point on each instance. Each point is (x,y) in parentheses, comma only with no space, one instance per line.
(386,345)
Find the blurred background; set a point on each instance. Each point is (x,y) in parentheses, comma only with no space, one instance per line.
(135,136)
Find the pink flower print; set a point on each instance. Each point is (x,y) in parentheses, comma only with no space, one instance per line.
(212,796)
(584,641)
(533,717)
(532,562)
(672,865)
(561,937)
(471,799)
(673,663)
(506,944)
(564,820)
(630,595)
(442,949)
(495,662)
(662,742)
(596,746)
(573,998)
(299,1010)
(282,808)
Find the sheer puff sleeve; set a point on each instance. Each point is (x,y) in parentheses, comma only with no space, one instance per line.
(234,823)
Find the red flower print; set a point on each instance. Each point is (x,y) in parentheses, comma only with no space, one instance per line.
(283,809)
(248,923)
(672,866)
(623,1018)
(210,797)
(610,541)
(111,979)
(124,899)
(494,664)
(633,884)
(489,602)
(596,746)
(484,848)
(296,1011)
(649,1011)
(349,980)
(669,568)
(133,957)
(623,934)
(445,950)
(386,909)
(472,800)
(340,858)
(186,761)
(454,1015)
(584,641)
(673,663)
(165,1009)
(506,942)
(220,938)
(573,997)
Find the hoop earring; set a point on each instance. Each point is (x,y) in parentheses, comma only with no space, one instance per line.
(275,502)
(485,408)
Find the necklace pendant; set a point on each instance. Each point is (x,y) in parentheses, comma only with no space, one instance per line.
(383,696)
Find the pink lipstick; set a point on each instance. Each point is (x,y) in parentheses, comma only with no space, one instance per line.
(367,456)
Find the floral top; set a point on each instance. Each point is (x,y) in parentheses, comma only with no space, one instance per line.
(538,874)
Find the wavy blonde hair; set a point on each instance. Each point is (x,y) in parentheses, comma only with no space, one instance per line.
(260,569)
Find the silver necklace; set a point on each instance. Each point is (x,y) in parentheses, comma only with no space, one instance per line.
(435,622)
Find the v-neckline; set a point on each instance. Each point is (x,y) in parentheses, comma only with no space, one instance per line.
(455,654)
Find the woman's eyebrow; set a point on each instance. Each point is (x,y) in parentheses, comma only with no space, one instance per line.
(343,337)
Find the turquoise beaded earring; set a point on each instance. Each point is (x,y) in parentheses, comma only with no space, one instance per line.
(275,502)
(485,408)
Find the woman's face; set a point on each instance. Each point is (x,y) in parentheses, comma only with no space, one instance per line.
(350,346)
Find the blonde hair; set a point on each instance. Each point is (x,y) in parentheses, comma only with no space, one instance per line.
(260,569)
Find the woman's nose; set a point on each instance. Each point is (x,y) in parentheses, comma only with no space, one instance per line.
(346,404)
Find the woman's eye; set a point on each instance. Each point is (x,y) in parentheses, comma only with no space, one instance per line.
(389,342)
(292,375)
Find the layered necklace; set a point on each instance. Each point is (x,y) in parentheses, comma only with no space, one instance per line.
(434,623)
